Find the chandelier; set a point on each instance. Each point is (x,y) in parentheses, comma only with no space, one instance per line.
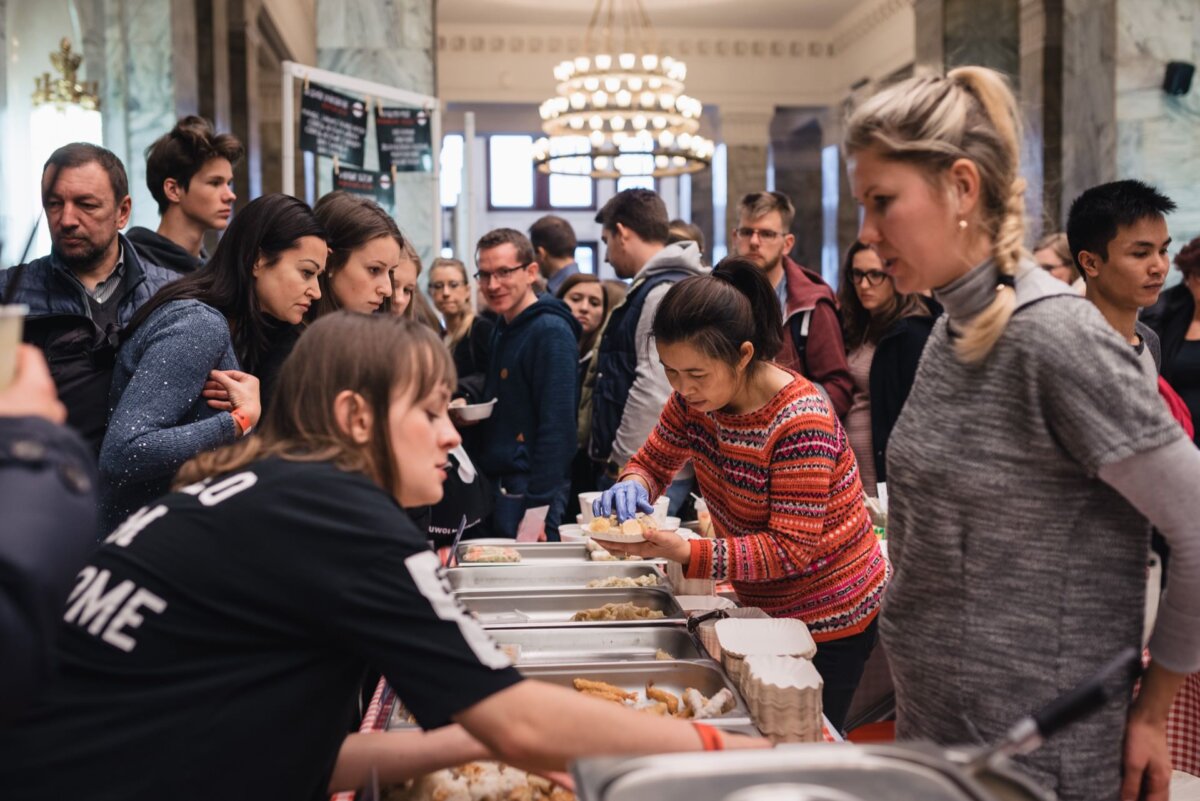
(620,109)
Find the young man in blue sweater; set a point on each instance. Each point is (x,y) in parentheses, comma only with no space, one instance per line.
(529,441)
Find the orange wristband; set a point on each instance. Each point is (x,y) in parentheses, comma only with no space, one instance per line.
(710,738)
(242,421)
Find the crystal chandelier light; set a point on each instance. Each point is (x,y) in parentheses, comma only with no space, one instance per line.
(620,109)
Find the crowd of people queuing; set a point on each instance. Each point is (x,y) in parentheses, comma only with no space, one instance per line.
(264,439)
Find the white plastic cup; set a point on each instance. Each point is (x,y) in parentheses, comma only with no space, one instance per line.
(585,506)
(660,510)
(12,324)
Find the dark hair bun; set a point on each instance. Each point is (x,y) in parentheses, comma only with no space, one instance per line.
(719,312)
(1188,259)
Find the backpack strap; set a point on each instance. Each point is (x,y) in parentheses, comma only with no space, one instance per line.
(798,325)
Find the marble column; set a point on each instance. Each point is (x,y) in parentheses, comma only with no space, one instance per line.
(145,86)
(796,138)
(390,42)
(747,135)
(212,62)
(242,43)
(955,33)
(1068,81)
(702,207)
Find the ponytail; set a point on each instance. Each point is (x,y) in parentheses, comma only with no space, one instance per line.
(719,312)
(993,94)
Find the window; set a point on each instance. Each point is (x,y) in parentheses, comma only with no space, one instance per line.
(636,182)
(719,183)
(451,165)
(585,257)
(514,182)
(642,164)
(510,172)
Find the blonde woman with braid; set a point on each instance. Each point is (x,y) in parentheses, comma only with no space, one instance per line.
(1028,457)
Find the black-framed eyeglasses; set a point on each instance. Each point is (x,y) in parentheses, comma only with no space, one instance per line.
(874,277)
(501,273)
(765,234)
(453,286)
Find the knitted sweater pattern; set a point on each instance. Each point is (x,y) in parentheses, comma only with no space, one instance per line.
(783,488)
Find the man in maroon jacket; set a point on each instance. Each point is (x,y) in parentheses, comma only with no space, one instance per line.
(812,332)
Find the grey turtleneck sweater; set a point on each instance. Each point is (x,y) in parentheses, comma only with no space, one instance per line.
(1020,490)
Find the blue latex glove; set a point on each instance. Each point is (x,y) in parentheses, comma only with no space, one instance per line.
(627,498)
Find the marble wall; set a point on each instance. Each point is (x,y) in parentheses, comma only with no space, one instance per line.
(143,82)
(953,33)
(796,138)
(1156,135)
(391,42)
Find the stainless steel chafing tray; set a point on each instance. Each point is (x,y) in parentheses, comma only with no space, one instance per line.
(537,552)
(499,609)
(612,644)
(851,772)
(674,677)
(526,576)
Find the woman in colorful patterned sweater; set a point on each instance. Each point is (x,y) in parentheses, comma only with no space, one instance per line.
(775,467)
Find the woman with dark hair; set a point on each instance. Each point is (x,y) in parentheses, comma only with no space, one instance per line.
(214,645)
(468,336)
(231,323)
(365,247)
(584,294)
(885,333)
(773,463)
(588,298)
(1176,320)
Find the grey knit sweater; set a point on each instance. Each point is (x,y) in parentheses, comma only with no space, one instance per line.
(1018,570)
(157,419)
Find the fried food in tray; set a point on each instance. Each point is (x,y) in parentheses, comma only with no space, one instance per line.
(623,582)
(627,610)
(479,781)
(693,704)
(490,554)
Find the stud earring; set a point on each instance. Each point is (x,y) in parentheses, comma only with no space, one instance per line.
(962,225)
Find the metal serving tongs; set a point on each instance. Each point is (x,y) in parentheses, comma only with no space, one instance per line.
(1030,732)
(452,557)
(693,623)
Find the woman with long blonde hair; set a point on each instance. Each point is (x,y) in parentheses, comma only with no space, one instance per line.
(1019,472)
(468,336)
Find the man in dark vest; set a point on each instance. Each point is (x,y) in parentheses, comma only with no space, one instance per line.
(629,386)
(87,289)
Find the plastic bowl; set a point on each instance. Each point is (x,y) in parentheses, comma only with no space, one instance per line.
(474,411)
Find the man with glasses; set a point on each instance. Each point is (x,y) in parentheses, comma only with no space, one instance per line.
(629,384)
(527,445)
(812,337)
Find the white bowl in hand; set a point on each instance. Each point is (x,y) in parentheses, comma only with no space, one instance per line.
(474,411)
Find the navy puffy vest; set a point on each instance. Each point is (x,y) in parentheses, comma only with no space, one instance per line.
(616,364)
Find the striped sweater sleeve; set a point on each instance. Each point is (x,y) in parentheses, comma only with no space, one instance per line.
(665,451)
(804,454)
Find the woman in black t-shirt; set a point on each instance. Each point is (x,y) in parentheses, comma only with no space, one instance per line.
(214,645)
